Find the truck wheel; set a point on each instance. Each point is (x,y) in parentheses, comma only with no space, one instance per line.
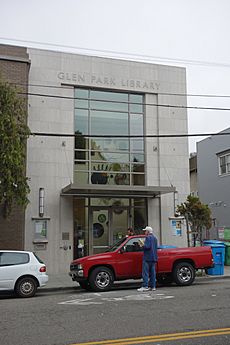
(101,279)
(26,287)
(165,279)
(183,274)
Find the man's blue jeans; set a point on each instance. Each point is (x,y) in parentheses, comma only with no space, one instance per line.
(149,274)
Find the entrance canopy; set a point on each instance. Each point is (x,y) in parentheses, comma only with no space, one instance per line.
(95,191)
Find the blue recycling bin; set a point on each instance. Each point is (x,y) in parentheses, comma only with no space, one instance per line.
(164,246)
(218,252)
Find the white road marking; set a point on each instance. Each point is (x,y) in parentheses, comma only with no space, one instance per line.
(85,301)
(99,299)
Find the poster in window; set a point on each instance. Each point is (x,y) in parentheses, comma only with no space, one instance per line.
(40,229)
(176,226)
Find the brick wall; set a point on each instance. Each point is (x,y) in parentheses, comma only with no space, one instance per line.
(14,68)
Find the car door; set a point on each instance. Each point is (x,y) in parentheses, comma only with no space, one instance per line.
(129,260)
(12,266)
(163,264)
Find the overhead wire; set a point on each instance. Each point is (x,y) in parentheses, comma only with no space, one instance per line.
(159,93)
(77,135)
(142,57)
(121,54)
(111,101)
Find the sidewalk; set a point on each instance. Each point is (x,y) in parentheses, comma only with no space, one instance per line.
(64,281)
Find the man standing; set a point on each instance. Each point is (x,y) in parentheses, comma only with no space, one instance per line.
(149,261)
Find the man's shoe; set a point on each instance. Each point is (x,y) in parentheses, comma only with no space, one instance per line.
(152,289)
(143,289)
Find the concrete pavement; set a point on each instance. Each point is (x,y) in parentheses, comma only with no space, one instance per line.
(64,281)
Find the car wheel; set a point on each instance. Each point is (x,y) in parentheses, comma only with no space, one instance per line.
(184,274)
(26,287)
(165,279)
(101,279)
(85,285)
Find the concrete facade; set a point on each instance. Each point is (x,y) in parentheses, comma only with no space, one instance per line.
(50,159)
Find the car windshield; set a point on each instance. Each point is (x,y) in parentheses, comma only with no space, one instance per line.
(116,245)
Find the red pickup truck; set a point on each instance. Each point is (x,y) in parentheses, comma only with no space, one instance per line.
(124,261)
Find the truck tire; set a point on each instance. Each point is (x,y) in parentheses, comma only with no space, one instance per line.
(183,273)
(101,279)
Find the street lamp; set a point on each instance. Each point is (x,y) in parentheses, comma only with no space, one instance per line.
(41,201)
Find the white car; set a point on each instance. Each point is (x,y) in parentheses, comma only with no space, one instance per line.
(21,271)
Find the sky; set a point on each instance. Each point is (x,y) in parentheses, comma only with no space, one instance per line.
(192,34)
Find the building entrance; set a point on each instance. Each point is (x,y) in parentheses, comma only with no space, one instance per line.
(107,224)
(98,223)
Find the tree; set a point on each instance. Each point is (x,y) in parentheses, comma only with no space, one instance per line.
(14,132)
(197,215)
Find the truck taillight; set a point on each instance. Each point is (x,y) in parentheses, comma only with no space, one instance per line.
(42,269)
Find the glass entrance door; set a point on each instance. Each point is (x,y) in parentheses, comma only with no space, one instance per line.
(100,229)
(107,224)
(119,220)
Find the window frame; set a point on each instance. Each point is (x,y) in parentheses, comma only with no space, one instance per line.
(130,150)
(226,157)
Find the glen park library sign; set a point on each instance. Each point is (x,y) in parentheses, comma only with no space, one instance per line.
(93,79)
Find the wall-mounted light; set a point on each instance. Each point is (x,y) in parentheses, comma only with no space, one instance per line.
(41,201)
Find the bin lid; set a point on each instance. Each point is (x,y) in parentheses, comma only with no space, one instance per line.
(219,245)
(164,246)
(227,244)
(213,242)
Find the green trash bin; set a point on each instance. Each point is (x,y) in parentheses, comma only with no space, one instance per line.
(227,253)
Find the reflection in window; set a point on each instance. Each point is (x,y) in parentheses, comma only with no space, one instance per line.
(138,180)
(136,124)
(137,157)
(81,121)
(110,157)
(109,96)
(80,146)
(109,106)
(137,145)
(110,123)
(109,160)
(108,144)
(224,164)
(140,168)
(136,103)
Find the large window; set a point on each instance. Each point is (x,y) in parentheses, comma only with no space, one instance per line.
(224,164)
(114,161)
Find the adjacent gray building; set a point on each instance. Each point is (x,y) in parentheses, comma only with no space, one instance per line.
(213,172)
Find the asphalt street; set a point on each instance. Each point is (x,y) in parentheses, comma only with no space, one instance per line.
(198,314)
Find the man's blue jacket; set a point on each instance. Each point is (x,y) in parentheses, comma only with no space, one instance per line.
(150,248)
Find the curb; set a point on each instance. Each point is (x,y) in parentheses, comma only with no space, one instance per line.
(214,277)
(66,288)
(60,288)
